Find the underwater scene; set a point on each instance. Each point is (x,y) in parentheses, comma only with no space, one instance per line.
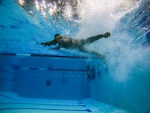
(74,56)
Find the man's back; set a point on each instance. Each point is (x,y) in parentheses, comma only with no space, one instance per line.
(64,42)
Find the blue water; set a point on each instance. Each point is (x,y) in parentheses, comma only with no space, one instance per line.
(124,82)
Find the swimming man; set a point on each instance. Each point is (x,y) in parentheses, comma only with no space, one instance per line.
(70,43)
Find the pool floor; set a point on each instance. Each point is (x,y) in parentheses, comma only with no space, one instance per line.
(13,103)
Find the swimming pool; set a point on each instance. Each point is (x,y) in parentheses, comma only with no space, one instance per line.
(29,87)
(35,78)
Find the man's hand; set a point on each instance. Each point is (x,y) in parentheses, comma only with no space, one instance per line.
(44,44)
(107,34)
(53,42)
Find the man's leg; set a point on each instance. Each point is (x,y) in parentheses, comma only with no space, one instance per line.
(82,49)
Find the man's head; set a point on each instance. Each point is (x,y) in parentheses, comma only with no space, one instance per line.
(57,37)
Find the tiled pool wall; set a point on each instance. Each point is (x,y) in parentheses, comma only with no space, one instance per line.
(46,76)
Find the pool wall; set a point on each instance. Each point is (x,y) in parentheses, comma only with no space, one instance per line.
(132,93)
(67,78)
(42,76)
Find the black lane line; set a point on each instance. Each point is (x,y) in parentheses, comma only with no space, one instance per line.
(44,55)
(45,104)
(88,110)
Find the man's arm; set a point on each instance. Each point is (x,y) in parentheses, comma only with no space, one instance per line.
(95,38)
(106,35)
(53,42)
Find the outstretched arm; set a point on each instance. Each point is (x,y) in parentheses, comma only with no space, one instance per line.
(106,35)
(53,42)
(97,37)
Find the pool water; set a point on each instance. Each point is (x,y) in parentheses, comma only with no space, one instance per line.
(12,103)
(36,78)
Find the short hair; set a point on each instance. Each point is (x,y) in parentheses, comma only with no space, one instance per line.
(56,35)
